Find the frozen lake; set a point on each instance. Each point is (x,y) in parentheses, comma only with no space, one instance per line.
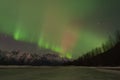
(58,73)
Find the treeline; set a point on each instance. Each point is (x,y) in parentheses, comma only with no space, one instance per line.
(107,55)
(19,58)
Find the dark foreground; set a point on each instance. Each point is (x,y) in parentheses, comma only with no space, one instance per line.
(58,73)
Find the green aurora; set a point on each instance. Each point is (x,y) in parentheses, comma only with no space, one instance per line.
(65,26)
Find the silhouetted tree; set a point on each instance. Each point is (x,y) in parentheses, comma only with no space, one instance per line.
(107,55)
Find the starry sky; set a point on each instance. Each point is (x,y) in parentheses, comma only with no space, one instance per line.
(69,27)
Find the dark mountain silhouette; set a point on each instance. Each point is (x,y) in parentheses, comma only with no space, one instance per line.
(19,58)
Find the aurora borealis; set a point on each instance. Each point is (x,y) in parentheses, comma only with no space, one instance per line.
(70,27)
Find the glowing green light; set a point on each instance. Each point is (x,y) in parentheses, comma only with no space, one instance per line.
(46,45)
(44,24)
(16,35)
(69,56)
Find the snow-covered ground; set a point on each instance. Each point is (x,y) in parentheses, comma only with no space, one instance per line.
(57,73)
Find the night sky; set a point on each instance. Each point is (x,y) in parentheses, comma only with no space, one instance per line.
(70,27)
